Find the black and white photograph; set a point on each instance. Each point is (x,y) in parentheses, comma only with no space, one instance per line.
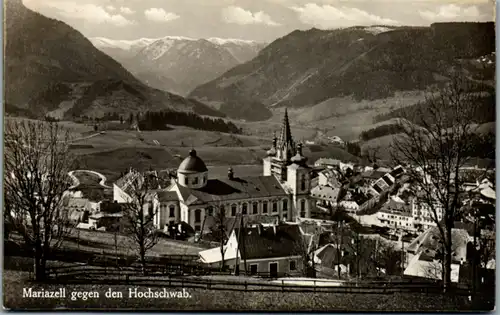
(249,155)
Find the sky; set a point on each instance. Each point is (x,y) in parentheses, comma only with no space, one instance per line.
(259,20)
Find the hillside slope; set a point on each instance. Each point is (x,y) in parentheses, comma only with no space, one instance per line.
(52,68)
(305,68)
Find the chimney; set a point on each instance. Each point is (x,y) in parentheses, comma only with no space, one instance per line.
(230,173)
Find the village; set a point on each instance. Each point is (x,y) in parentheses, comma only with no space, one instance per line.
(299,219)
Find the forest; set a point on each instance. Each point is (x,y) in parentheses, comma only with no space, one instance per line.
(160,121)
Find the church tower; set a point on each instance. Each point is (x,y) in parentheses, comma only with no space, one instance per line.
(299,183)
(286,162)
(278,157)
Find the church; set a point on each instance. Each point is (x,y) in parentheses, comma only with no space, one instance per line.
(282,191)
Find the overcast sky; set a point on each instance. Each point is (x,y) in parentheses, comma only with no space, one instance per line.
(261,20)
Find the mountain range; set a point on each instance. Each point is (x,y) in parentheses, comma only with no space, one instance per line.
(52,69)
(305,68)
(178,64)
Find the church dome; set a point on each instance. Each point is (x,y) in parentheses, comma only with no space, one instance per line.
(192,164)
(271,152)
(299,158)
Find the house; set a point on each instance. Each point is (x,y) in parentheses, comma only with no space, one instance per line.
(110,221)
(325,195)
(397,215)
(349,205)
(124,185)
(383,184)
(270,251)
(327,262)
(336,140)
(78,209)
(327,162)
(330,177)
(424,217)
(424,254)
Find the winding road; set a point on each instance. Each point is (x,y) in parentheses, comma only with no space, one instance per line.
(102,182)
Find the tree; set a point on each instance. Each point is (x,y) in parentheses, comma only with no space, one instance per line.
(37,162)
(219,229)
(385,257)
(435,139)
(338,235)
(139,213)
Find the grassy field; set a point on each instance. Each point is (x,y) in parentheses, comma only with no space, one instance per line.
(219,300)
(347,118)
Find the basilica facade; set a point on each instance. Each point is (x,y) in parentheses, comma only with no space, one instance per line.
(282,191)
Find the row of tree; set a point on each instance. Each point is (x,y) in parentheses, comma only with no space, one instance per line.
(380,131)
(160,120)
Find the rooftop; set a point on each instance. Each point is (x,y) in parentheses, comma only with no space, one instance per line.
(269,242)
(164,196)
(225,189)
(429,243)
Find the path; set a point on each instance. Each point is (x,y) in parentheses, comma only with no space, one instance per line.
(85,138)
(75,179)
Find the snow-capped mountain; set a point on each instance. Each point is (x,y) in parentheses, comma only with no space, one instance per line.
(185,61)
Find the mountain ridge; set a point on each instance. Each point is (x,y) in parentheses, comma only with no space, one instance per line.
(178,63)
(50,66)
(305,68)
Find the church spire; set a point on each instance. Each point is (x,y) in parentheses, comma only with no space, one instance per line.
(286,146)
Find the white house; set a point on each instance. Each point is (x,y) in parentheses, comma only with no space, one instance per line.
(272,251)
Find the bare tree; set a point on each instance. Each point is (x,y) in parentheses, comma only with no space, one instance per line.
(219,228)
(139,215)
(338,235)
(435,142)
(306,247)
(386,257)
(37,162)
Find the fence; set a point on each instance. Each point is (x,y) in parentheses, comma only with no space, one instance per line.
(82,274)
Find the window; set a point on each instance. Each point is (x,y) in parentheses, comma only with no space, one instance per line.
(195,181)
(264,207)
(302,205)
(244,208)
(186,181)
(255,208)
(172,211)
(197,216)
(275,206)
(303,183)
(197,228)
(233,210)
(210,211)
(253,269)
(285,205)
(293,265)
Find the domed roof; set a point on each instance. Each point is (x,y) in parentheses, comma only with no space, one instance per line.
(299,158)
(271,152)
(192,164)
